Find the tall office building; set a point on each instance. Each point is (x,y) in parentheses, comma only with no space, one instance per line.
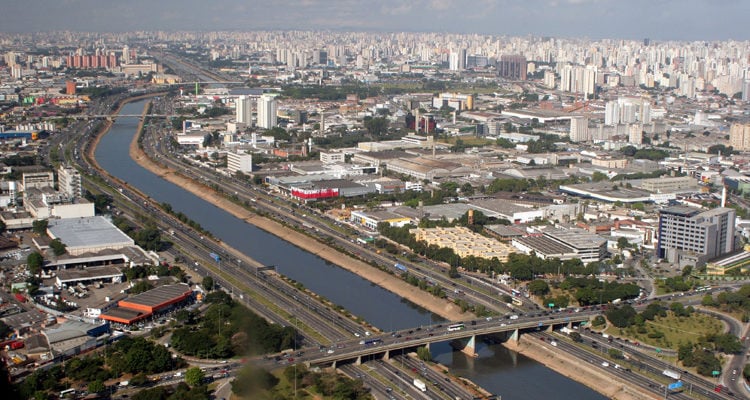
(320,57)
(579,129)
(243,110)
(457,60)
(746,90)
(512,67)
(690,236)
(267,111)
(739,136)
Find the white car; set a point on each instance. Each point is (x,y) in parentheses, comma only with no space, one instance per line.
(605,364)
(357,334)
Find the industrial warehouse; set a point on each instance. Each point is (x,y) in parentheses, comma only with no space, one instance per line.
(146,304)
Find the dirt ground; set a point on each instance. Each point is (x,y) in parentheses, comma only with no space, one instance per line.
(444,308)
(578,370)
(566,365)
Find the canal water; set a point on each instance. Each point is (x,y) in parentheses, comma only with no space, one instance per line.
(497,369)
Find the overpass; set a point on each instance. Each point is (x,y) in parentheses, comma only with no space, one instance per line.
(382,345)
(111,117)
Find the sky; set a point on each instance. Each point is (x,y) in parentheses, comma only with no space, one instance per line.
(594,19)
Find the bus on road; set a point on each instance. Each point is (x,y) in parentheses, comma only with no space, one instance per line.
(456,327)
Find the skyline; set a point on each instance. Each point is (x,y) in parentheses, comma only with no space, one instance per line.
(595,19)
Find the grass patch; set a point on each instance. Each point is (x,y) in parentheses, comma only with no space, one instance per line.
(669,332)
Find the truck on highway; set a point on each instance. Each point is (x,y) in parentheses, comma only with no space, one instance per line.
(420,385)
(672,374)
(616,301)
(400,267)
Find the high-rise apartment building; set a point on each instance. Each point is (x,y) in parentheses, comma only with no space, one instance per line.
(69,181)
(512,67)
(739,137)
(746,90)
(457,60)
(612,113)
(243,110)
(579,129)
(588,86)
(688,235)
(267,111)
(635,134)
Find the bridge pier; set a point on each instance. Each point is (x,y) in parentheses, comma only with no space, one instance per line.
(333,365)
(470,348)
(515,336)
(387,355)
(358,362)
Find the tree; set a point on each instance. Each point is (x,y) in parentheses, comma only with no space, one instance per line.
(538,287)
(423,352)
(58,247)
(251,381)
(622,243)
(208,283)
(576,337)
(376,126)
(35,261)
(97,386)
(39,227)
(194,376)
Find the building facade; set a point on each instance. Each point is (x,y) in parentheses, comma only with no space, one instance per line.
(69,181)
(689,236)
(267,108)
(739,136)
(239,162)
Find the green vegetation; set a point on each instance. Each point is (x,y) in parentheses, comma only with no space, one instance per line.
(670,327)
(40,227)
(58,247)
(677,284)
(590,291)
(228,329)
(163,269)
(731,302)
(644,154)
(181,391)
(255,383)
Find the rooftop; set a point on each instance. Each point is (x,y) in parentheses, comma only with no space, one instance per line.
(86,232)
(159,295)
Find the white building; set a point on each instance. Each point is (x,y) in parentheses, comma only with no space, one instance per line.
(239,162)
(267,111)
(244,110)
(579,129)
(69,181)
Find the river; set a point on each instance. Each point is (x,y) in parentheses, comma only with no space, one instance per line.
(498,370)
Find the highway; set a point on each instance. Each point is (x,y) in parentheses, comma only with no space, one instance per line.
(311,313)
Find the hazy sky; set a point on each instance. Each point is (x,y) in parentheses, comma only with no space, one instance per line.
(626,19)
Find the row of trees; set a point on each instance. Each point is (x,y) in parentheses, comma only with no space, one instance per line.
(519,266)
